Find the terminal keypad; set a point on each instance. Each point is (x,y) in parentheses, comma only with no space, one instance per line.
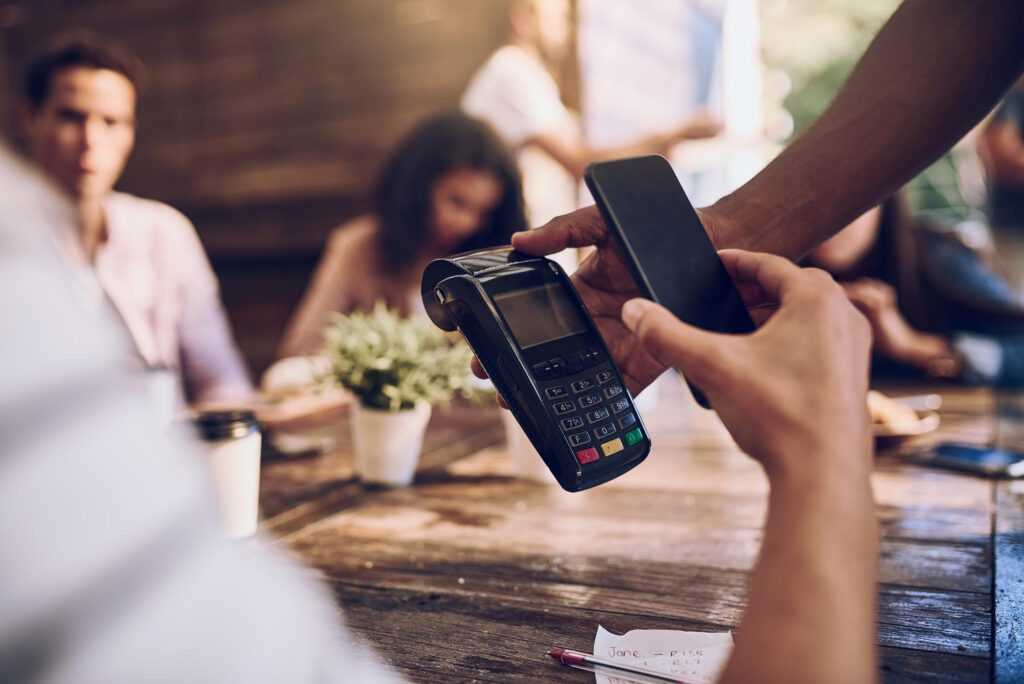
(592,406)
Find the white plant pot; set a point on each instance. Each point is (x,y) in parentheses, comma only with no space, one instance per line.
(526,462)
(388,443)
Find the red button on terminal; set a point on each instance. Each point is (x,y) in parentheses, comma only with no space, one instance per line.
(585,456)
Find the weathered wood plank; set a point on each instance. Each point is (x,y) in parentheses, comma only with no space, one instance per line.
(442,636)
(1009,582)
(434,546)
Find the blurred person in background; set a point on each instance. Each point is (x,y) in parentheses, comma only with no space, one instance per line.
(450,186)
(1001,148)
(515,92)
(78,117)
(936,299)
(127,578)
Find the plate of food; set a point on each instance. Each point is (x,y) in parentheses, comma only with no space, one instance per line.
(893,420)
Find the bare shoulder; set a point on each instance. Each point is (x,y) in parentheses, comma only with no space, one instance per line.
(353,241)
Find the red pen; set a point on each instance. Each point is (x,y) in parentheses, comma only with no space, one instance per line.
(592,663)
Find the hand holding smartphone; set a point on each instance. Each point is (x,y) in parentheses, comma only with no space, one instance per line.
(665,245)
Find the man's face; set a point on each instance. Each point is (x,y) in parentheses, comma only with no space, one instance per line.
(82,134)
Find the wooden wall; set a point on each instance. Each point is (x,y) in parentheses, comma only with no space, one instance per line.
(265,120)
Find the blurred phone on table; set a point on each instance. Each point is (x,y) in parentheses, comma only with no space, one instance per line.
(975,459)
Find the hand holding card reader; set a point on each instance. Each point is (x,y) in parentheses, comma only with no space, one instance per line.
(533,336)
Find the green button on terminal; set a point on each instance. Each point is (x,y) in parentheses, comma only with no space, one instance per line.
(633,436)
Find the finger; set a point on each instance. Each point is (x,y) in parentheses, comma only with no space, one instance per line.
(854,290)
(777,276)
(863,297)
(580,228)
(752,295)
(478,371)
(863,307)
(700,355)
(759,305)
(760,314)
(881,289)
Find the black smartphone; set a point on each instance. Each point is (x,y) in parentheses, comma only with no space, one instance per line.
(665,245)
(975,459)
(537,342)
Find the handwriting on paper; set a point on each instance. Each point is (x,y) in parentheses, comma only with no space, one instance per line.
(692,656)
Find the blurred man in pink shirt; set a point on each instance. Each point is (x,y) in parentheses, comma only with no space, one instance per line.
(79,119)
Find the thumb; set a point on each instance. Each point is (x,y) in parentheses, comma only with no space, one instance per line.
(700,355)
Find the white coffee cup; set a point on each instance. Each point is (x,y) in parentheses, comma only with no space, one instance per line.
(233,441)
(526,462)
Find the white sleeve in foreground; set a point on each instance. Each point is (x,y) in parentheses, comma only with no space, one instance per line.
(113,568)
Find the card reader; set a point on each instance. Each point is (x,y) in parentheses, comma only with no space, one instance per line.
(529,329)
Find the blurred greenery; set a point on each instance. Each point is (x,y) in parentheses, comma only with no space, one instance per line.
(392,363)
(817,43)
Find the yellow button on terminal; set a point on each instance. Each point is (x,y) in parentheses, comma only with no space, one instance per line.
(612,447)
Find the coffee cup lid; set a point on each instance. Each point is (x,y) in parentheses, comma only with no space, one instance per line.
(214,425)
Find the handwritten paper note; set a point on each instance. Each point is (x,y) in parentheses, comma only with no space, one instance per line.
(692,656)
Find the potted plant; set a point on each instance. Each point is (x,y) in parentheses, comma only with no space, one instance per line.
(397,368)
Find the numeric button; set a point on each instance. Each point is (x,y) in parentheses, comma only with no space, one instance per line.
(613,391)
(605,376)
(589,400)
(598,415)
(564,407)
(620,405)
(572,423)
(604,431)
(559,392)
(582,385)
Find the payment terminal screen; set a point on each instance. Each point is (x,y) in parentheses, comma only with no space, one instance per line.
(539,314)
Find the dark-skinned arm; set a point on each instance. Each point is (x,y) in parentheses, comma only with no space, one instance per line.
(932,72)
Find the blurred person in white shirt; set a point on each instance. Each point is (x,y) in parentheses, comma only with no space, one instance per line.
(114,568)
(516,94)
(78,118)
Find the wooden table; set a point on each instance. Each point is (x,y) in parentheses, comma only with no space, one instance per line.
(471,574)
